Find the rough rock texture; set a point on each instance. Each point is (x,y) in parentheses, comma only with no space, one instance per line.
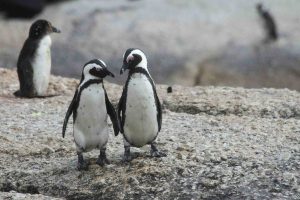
(222,143)
(173,33)
(20,196)
(268,65)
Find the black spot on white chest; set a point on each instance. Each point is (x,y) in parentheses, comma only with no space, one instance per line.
(92,101)
(140,94)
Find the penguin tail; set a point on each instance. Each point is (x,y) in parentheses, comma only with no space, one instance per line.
(17,93)
(47,96)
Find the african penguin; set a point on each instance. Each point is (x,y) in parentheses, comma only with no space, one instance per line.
(268,22)
(34,63)
(90,107)
(139,108)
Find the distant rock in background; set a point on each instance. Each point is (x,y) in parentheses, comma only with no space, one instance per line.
(270,65)
(174,34)
(23,9)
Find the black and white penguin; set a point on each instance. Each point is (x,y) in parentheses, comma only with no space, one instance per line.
(139,108)
(34,63)
(268,22)
(90,107)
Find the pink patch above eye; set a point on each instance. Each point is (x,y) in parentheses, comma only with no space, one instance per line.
(129,58)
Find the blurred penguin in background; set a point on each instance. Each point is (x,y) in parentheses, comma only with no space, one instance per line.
(268,22)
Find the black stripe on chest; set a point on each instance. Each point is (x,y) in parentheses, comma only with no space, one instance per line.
(83,87)
(131,72)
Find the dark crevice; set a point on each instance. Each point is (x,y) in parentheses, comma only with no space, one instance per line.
(287,113)
(25,189)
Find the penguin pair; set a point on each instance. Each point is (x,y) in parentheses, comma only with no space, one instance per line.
(139,115)
(34,62)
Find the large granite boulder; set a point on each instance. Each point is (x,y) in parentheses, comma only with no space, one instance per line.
(222,143)
(173,34)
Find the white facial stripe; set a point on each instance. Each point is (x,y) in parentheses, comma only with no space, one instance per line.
(137,51)
(102,62)
(143,62)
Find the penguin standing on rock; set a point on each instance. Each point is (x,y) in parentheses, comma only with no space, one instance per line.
(268,22)
(90,107)
(139,108)
(34,63)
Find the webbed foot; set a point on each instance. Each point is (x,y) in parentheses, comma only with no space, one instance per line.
(127,157)
(155,153)
(102,159)
(82,164)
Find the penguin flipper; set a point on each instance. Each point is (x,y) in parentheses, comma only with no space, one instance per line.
(157,102)
(25,74)
(121,111)
(159,112)
(25,70)
(69,113)
(112,114)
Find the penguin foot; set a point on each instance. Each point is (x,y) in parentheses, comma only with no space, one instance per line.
(127,157)
(102,161)
(155,153)
(84,165)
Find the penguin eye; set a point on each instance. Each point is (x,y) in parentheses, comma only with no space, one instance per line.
(98,69)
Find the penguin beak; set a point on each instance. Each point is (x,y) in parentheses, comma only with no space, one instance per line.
(55,30)
(123,68)
(126,63)
(108,73)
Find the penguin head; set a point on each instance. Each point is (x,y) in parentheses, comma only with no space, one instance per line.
(259,7)
(41,28)
(133,58)
(95,69)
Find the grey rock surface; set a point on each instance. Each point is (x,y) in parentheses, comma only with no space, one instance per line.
(21,196)
(173,34)
(222,143)
(268,65)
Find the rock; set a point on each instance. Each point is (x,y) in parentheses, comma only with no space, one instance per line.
(252,67)
(201,35)
(20,196)
(213,151)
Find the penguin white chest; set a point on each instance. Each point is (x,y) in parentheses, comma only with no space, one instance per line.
(42,66)
(90,127)
(140,125)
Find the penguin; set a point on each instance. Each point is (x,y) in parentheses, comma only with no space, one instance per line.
(34,62)
(139,108)
(268,22)
(90,108)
